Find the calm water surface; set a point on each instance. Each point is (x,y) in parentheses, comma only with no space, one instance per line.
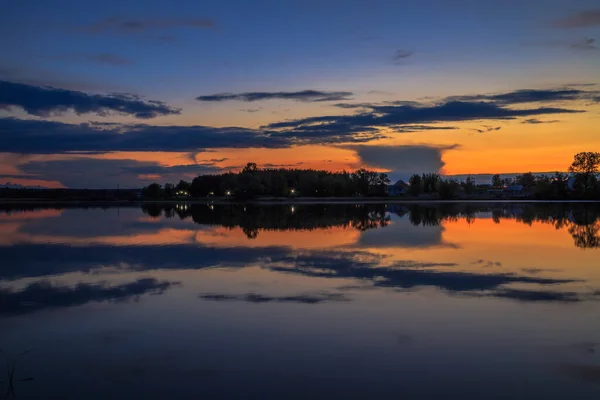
(497,301)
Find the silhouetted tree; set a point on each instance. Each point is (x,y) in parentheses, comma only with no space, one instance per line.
(415,184)
(250,167)
(447,189)
(183,186)
(430,182)
(586,165)
(153,191)
(469,185)
(526,180)
(496,181)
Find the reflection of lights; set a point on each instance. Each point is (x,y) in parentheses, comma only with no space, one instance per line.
(292,191)
(212,207)
(292,209)
(228,193)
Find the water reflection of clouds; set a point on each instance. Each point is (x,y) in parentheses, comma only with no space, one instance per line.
(45,295)
(406,251)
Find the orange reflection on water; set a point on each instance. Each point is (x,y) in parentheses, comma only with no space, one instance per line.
(305,239)
(30,214)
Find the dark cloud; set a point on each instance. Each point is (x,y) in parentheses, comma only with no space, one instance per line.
(304,95)
(535,121)
(487,263)
(34,136)
(529,96)
(393,116)
(92,173)
(401,55)
(403,161)
(537,295)
(585,44)
(487,128)
(404,275)
(44,295)
(46,101)
(270,165)
(304,298)
(582,19)
(136,26)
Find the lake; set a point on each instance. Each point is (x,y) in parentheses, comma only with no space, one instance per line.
(365,301)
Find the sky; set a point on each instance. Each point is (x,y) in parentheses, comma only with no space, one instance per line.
(112,93)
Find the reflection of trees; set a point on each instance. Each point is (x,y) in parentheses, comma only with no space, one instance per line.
(586,236)
(582,220)
(255,218)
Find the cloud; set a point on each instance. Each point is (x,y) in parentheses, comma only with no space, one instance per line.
(401,55)
(529,96)
(47,137)
(403,161)
(271,165)
(303,95)
(395,116)
(47,101)
(93,173)
(35,136)
(585,44)
(100,58)
(118,25)
(487,128)
(304,298)
(536,295)
(535,121)
(582,19)
(44,295)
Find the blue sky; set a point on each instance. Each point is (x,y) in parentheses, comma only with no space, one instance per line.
(380,51)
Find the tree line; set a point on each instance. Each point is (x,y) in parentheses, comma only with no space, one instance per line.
(252,182)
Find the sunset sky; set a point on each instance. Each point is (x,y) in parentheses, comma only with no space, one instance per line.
(100,94)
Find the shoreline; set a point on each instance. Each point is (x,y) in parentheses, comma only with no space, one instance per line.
(279,201)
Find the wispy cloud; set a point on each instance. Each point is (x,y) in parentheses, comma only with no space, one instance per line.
(530,96)
(109,59)
(487,128)
(535,121)
(585,44)
(581,19)
(94,173)
(304,95)
(393,116)
(401,55)
(136,26)
(101,58)
(47,101)
(304,298)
